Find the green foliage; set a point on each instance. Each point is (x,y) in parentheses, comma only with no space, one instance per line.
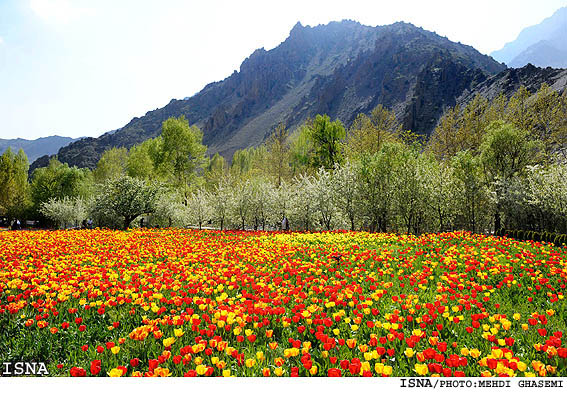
(301,150)
(376,184)
(326,137)
(14,188)
(215,170)
(506,150)
(111,165)
(182,152)
(368,133)
(249,163)
(471,196)
(279,154)
(143,159)
(58,181)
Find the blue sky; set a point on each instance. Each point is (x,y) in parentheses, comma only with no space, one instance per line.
(82,68)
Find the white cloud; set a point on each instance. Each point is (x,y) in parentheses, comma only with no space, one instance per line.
(1,40)
(58,11)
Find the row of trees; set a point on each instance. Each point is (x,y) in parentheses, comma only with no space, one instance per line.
(487,165)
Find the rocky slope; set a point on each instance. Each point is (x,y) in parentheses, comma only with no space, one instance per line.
(511,79)
(342,69)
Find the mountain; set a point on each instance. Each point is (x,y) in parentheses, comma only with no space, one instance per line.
(341,69)
(543,45)
(37,147)
(510,80)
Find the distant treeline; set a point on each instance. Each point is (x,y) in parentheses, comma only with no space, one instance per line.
(488,165)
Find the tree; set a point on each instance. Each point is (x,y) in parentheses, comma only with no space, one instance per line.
(14,188)
(461,129)
(240,165)
(282,201)
(445,140)
(199,208)
(410,195)
(57,181)
(143,159)
(376,186)
(182,152)
(250,162)
(326,137)
(215,171)
(301,150)
(304,204)
(368,133)
(66,211)
(547,192)
(505,151)
(438,181)
(547,117)
(260,193)
(471,195)
(241,203)
(127,198)
(346,191)
(279,154)
(324,197)
(497,109)
(169,211)
(518,110)
(560,137)
(220,202)
(474,123)
(112,164)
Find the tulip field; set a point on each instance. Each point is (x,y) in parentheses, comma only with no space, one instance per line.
(176,302)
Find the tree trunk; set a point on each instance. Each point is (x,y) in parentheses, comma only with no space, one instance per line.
(127,222)
(497,222)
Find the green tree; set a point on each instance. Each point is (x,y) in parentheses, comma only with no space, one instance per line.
(471,195)
(445,141)
(547,117)
(215,170)
(461,129)
(560,137)
(301,150)
(518,110)
(112,164)
(474,123)
(143,159)
(183,152)
(57,181)
(376,186)
(14,188)
(326,137)
(368,133)
(279,154)
(505,152)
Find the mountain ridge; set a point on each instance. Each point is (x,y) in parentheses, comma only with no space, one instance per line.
(35,148)
(542,44)
(341,68)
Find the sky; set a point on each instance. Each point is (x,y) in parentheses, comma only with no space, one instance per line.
(84,67)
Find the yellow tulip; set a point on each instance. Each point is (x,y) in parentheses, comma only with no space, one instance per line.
(421,369)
